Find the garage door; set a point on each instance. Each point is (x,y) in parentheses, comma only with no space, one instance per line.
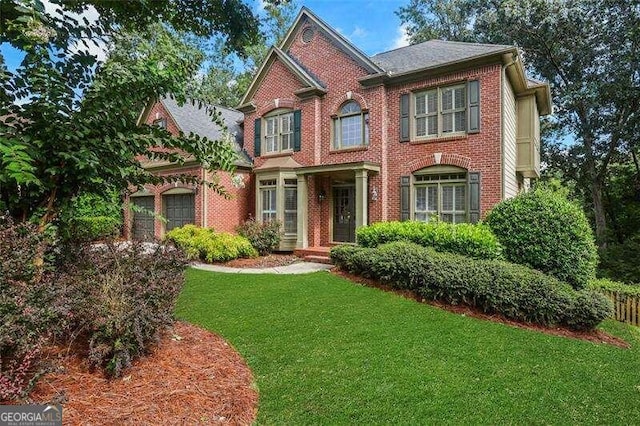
(143,221)
(179,210)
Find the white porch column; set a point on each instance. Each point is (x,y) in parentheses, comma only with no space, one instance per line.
(362,198)
(303,213)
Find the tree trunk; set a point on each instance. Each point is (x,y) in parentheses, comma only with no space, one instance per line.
(599,214)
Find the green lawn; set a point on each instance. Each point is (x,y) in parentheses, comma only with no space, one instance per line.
(327,351)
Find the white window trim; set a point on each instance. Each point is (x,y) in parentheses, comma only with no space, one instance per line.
(439,184)
(439,134)
(279,178)
(336,136)
(278,116)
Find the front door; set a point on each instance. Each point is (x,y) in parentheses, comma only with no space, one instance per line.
(344,214)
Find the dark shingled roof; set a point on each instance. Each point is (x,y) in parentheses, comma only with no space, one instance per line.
(432,53)
(193,119)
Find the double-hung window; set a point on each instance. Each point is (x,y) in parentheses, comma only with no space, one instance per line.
(439,112)
(350,127)
(278,132)
(268,196)
(441,196)
(290,206)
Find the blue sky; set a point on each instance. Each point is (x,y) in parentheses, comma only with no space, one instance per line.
(371,25)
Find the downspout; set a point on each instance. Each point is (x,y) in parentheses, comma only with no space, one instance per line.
(503,76)
(204,198)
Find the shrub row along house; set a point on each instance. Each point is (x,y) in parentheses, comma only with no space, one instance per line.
(335,139)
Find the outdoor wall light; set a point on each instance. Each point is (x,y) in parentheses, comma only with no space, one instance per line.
(374,194)
(321,195)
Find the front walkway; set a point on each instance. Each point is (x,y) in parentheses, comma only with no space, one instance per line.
(295,268)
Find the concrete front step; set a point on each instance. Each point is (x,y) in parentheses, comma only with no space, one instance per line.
(312,251)
(318,259)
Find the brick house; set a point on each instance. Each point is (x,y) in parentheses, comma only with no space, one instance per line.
(340,139)
(179,203)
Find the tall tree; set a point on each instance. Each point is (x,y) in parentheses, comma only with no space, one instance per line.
(228,76)
(70,123)
(587,49)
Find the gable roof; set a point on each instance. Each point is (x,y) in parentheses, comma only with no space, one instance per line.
(307,16)
(304,76)
(191,118)
(434,53)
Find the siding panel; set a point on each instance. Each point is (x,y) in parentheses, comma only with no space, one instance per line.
(509,141)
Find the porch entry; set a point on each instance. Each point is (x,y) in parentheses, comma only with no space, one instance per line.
(344,213)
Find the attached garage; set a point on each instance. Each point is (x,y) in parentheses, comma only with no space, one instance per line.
(143,222)
(179,209)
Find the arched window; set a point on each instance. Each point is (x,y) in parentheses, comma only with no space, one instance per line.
(351,126)
(441,192)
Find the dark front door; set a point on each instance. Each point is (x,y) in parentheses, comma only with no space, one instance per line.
(179,210)
(143,221)
(344,214)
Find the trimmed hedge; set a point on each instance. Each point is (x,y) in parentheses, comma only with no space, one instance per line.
(615,286)
(545,231)
(467,239)
(92,228)
(493,286)
(210,246)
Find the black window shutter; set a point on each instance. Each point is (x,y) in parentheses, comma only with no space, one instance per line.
(473,106)
(405,207)
(474,197)
(296,130)
(256,137)
(404,118)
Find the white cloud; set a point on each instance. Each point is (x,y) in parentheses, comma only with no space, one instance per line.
(358,32)
(402,38)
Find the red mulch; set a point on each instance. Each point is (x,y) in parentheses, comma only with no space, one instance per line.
(268,261)
(596,336)
(192,377)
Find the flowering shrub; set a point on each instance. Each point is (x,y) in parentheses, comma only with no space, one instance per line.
(264,236)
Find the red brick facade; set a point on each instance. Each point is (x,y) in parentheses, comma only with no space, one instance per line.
(339,73)
(317,76)
(211,209)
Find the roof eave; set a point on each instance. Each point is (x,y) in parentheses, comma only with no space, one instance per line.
(435,70)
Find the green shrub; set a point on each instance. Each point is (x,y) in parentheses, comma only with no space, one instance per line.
(210,246)
(494,286)
(545,231)
(467,239)
(264,236)
(621,262)
(92,228)
(91,217)
(125,296)
(615,286)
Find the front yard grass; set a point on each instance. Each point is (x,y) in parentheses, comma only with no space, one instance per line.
(325,351)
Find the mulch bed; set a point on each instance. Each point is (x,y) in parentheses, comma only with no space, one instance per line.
(269,261)
(596,336)
(192,377)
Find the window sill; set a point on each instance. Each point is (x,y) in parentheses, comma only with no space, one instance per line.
(277,154)
(448,138)
(350,149)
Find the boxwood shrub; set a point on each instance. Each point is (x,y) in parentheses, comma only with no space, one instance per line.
(467,239)
(545,231)
(210,246)
(494,286)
